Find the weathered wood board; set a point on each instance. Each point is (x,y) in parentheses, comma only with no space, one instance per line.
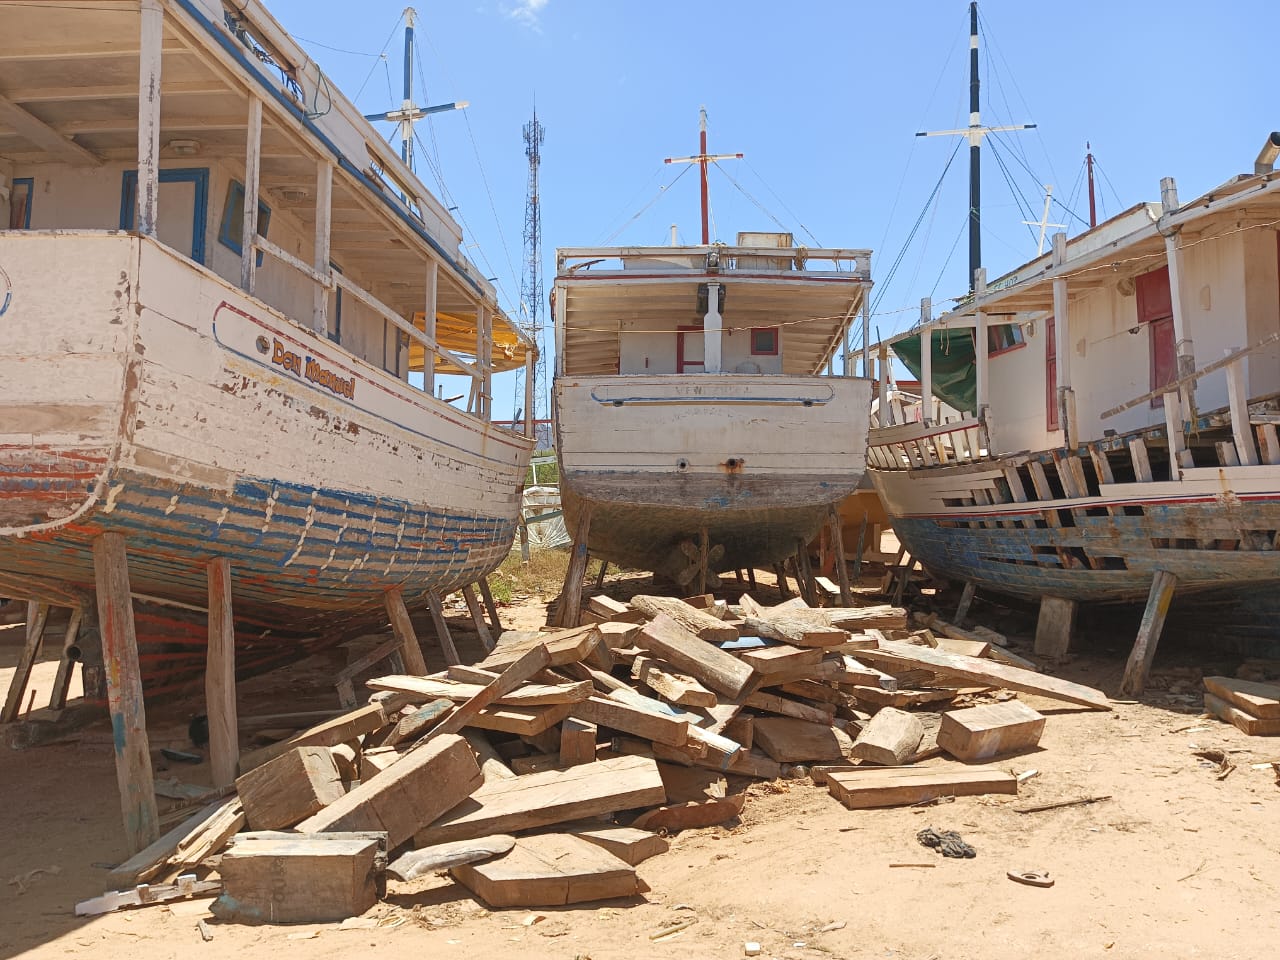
(889,738)
(862,789)
(549,870)
(788,740)
(718,670)
(990,730)
(1260,700)
(629,844)
(289,788)
(1245,722)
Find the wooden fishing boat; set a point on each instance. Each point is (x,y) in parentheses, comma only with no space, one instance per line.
(1120,400)
(695,427)
(224,304)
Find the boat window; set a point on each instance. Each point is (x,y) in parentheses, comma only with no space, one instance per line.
(764,341)
(233,220)
(20,196)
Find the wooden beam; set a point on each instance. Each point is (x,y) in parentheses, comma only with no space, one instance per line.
(37,620)
(477,617)
(442,630)
(402,627)
(31,128)
(842,565)
(486,595)
(67,665)
(720,671)
(324,244)
(533,661)
(124,692)
(220,677)
(150,57)
(1144,647)
(252,178)
(569,606)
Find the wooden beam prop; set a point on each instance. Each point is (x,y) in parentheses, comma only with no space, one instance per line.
(402,627)
(37,620)
(569,606)
(842,563)
(220,677)
(477,617)
(124,692)
(486,594)
(986,673)
(1144,647)
(67,664)
(442,630)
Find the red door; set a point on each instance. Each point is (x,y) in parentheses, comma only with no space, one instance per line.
(1051,374)
(1155,309)
(689,347)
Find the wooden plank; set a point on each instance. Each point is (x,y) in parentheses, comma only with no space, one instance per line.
(962,648)
(1245,722)
(858,790)
(987,673)
(146,863)
(341,729)
(521,720)
(511,678)
(788,740)
(570,603)
(290,878)
(549,870)
(628,844)
(618,635)
(1143,653)
(610,609)
(124,692)
(890,738)
(529,695)
(772,703)
(220,677)
(477,617)
(402,627)
(670,684)
(406,796)
(781,658)
(578,740)
(701,624)
(290,788)
(445,638)
(565,646)
(795,631)
(184,888)
(876,698)
(555,796)
(419,863)
(716,669)
(415,724)
(691,815)
(37,620)
(1262,700)
(629,719)
(990,730)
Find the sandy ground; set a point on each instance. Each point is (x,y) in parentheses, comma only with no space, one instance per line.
(1179,863)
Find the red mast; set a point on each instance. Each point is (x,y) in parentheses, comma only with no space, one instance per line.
(1093,210)
(702,158)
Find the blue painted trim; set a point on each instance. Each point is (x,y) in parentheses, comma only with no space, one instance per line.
(378,190)
(233,240)
(195,175)
(30,183)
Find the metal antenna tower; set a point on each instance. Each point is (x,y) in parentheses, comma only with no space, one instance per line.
(531,282)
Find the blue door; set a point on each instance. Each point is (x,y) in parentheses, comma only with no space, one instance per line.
(184,209)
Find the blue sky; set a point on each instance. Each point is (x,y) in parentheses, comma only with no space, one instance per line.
(824,100)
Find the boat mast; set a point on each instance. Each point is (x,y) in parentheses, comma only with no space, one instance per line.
(702,159)
(975,133)
(1088,162)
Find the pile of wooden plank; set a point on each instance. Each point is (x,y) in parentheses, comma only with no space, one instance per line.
(543,774)
(1252,707)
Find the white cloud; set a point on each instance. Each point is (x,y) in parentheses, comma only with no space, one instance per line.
(527,11)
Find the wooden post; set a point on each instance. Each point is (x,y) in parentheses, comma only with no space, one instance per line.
(324,234)
(442,630)
(842,565)
(429,308)
(704,548)
(477,617)
(780,572)
(1062,345)
(1238,398)
(124,692)
(712,331)
(926,361)
(751,578)
(530,396)
(482,385)
(487,596)
(966,601)
(1182,332)
(151,43)
(1141,462)
(600,574)
(1055,626)
(37,620)
(67,665)
(804,574)
(525,553)
(252,170)
(402,627)
(1144,647)
(1179,455)
(570,604)
(885,414)
(220,677)
(866,335)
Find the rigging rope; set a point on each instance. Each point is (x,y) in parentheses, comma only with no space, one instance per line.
(661,190)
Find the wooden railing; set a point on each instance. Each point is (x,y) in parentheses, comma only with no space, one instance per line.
(915,446)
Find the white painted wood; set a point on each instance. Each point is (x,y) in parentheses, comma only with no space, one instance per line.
(926,361)
(252,169)
(866,337)
(712,332)
(1174,427)
(1238,400)
(151,40)
(1062,343)
(324,238)
(429,312)
(530,376)
(886,413)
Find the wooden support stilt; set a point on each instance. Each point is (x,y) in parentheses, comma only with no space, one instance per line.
(751,577)
(477,617)
(842,565)
(780,572)
(67,665)
(570,606)
(966,600)
(37,620)
(220,678)
(862,545)
(525,553)
(124,692)
(904,577)
(1055,626)
(442,631)
(804,574)
(704,547)
(487,596)
(600,574)
(1144,647)
(402,627)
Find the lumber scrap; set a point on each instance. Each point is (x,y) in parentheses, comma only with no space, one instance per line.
(670,684)
(610,609)
(692,814)
(183,888)
(577,742)
(419,863)
(1243,721)
(406,796)
(987,673)
(530,662)
(1260,700)
(341,729)
(617,635)
(549,870)
(876,697)
(866,787)
(554,796)
(783,658)
(529,695)
(205,830)
(701,624)
(990,730)
(564,646)
(415,724)
(492,766)
(633,720)
(290,788)
(522,721)
(752,763)
(702,740)
(722,672)
(795,631)
(962,648)
(972,634)
(889,738)
(788,740)
(298,878)
(629,844)
(773,703)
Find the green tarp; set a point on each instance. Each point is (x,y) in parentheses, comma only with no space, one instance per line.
(954,366)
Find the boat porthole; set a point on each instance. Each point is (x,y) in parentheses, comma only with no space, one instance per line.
(262,344)
(682,464)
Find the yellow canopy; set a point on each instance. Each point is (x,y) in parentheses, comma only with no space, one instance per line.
(458,335)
